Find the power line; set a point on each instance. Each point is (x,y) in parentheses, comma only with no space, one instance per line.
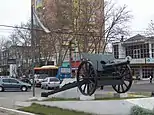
(43,30)
(17,27)
(93,34)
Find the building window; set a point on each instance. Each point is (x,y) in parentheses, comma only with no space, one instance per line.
(146,72)
(138,51)
(116,52)
(152,49)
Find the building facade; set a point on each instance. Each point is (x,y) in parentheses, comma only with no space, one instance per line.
(51,14)
(17,57)
(141,50)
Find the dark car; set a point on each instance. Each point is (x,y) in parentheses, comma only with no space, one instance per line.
(25,80)
(13,84)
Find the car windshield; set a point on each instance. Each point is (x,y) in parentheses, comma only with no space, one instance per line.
(42,76)
(54,79)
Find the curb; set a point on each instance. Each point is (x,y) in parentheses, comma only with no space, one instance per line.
(38,98)
(13,111)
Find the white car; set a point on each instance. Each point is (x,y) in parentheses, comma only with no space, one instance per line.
(50,83)
(38,78)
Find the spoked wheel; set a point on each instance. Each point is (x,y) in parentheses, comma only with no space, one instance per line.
(125,75)
(87,73)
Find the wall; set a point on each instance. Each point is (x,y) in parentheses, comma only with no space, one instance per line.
(122,51)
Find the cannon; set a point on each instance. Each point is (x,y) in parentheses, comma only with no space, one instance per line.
(100,70)
(97,70)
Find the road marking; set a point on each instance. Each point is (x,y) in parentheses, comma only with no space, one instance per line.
(15,111)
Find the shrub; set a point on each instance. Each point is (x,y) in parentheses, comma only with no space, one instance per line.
(136,110)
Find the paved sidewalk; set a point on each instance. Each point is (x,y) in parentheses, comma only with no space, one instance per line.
(7,111)
(142,82)
(100,107)
(4,113)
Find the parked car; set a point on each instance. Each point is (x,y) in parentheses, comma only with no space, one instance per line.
(26,80)
(50,83)
(38,78)
(13,84)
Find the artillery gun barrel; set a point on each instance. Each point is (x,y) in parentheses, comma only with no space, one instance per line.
(65,87)
(116,64)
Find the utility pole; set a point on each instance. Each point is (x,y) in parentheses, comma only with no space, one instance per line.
(70,56)
(32,45)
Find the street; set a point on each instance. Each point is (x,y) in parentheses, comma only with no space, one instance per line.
(147,87)
(8,99)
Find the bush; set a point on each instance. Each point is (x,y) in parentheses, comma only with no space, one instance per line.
(136,110)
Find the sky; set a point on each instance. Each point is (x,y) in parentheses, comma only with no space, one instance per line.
(13,12)
(142,13)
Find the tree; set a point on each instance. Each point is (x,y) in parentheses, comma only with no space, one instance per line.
(116,22)
(93,24)
(150,29)
(21,36)
(20,42)
(3,43)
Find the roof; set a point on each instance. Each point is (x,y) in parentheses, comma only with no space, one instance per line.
(151,38)
(46,67)
(137,37)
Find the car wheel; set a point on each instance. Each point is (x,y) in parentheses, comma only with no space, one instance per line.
(1,89)
(23,88)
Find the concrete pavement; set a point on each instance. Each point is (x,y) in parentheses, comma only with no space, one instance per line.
(8,99)
(101,107)
(6,111)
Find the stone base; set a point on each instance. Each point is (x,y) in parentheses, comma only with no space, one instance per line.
(109,95)
(68,94)
(85,98)
(103,95)
(117,95)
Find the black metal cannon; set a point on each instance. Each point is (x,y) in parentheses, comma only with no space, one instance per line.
(98,70)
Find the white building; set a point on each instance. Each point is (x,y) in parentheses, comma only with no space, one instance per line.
(141,49)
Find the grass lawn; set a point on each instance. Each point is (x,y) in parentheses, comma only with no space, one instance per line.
(116,98)
(61,99)
(104,98)
(45,110)
(148,94)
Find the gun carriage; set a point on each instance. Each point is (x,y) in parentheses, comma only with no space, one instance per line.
(97,70)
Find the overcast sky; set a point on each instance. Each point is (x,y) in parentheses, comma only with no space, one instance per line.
(13,12)
(16,11)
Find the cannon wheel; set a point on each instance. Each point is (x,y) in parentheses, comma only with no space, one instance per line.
(126,78)
(87,73)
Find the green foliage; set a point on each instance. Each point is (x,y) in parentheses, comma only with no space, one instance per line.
(136,110)
(62,99)
(45,110)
